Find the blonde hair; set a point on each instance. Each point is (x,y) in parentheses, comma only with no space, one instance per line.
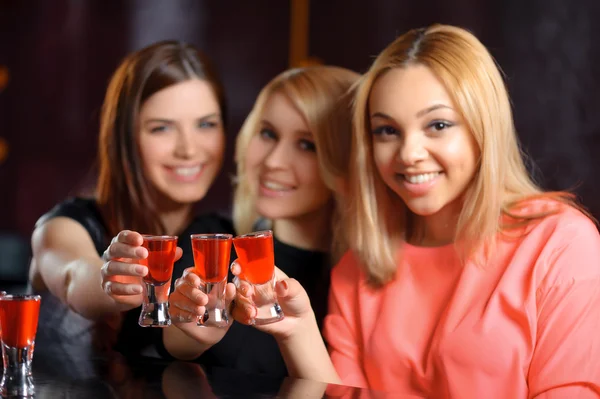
(322,95)
(380,221)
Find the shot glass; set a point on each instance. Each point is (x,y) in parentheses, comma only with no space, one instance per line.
(19,320)
(257,263)
(211,263)
(157,283)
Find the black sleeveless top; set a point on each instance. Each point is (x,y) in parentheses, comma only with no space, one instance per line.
(246,349)
(243,348)
(132,339)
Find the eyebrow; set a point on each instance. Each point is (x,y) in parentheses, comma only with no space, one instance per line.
(431,109)
(170,121)
(420,114)
(298,132)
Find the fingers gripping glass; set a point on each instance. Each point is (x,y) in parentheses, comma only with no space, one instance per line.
(257,263)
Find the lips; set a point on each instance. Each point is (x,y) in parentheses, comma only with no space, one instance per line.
(275,186)
(186,173)
(275,189)
(421,177)
(419,184)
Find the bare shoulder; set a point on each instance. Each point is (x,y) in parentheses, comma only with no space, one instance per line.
(62,234)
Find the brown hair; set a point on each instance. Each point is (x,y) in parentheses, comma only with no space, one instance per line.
(123,193)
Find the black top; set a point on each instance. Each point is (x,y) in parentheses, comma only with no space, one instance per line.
(132,339)
(243,348)
(251,351)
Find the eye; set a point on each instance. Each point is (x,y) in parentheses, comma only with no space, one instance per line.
(207,125)
(159,128)
(307,145)
(268,134)
(439,125)
(385,130)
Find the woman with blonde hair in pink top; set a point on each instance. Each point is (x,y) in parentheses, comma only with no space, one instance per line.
(465,279)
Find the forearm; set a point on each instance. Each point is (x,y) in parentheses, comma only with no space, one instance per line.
(182,346)
(306,356)
(76,283)
(84,292)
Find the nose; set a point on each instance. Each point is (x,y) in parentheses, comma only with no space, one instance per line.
(412,149)
(185,145)
(279,157)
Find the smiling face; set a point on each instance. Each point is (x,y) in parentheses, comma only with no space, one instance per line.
(422,149)
(181,140)
(281,164)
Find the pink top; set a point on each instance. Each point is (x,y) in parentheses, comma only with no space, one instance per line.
(525,325)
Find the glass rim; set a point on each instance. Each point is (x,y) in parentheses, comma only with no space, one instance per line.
(20,297)
(211,236)
(257,234)
(151,237)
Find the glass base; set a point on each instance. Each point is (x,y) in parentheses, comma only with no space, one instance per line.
(214,318)
(17,380)
(155,309)
(265,300)
(216,314)
(268,314)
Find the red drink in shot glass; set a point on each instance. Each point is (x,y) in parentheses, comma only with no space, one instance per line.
(211,264)
(160,261)
(257,263)
(18,321)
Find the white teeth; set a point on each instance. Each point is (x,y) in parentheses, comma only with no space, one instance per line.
(275,186)
(422,178)
(188,171)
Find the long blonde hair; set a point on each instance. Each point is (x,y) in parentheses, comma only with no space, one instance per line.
(378,222)
(322,96)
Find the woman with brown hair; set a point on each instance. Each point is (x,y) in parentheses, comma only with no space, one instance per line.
(464,279)
(161,146)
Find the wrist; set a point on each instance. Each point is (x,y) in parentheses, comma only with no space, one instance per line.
(305,327)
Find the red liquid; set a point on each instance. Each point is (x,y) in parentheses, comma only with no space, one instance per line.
(211,258)
(19,321)
(160,260)
(255,256)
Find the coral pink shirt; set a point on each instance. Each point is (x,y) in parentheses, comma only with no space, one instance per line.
(525,325)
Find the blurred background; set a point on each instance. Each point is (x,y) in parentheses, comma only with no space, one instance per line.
(56,58)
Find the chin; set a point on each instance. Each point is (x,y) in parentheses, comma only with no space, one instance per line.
(190,198)
(423,210)
(268,211)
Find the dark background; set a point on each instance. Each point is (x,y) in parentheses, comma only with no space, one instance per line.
(60,55)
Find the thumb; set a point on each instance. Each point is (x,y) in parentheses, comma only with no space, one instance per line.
(293,298)
(289,289)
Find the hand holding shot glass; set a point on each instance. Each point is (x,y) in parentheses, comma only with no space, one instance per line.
(18,322)
(160,261)
(257,263)
(211,260)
